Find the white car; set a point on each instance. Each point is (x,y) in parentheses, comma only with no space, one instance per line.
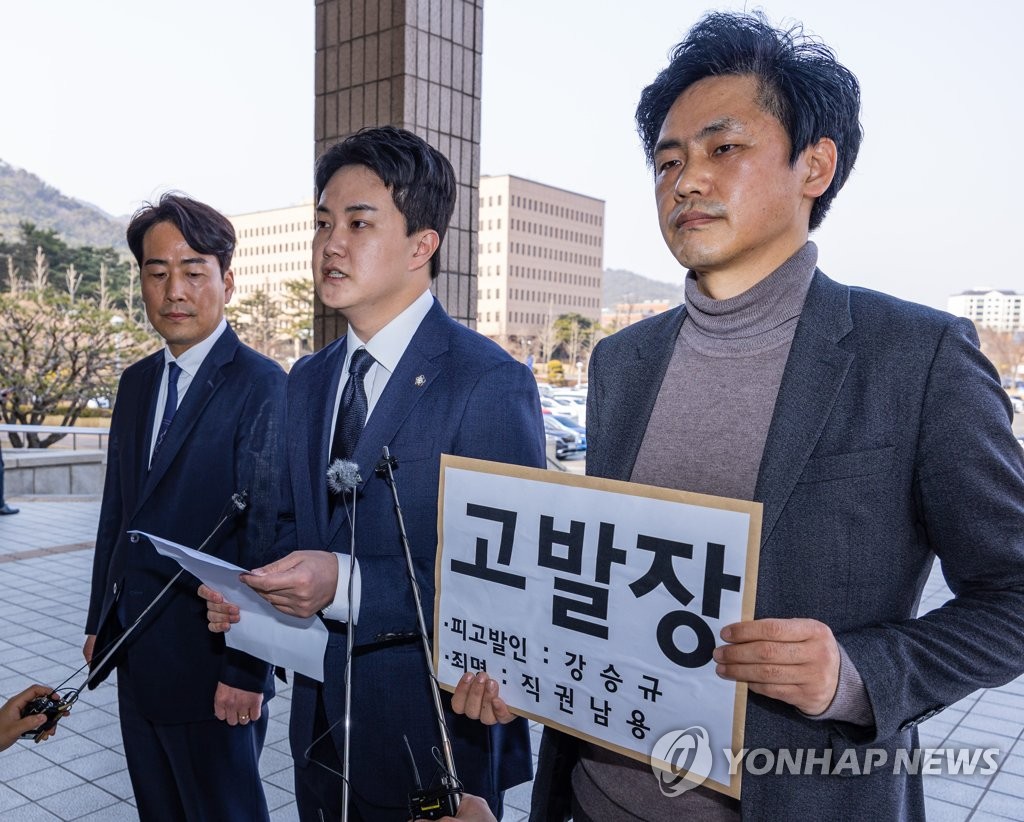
(556,406)
(576,401)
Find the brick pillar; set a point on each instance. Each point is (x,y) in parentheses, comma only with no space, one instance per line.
(413,64)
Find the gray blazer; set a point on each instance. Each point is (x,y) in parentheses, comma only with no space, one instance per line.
(890,444)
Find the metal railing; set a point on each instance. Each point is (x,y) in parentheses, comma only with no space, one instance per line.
(72,431)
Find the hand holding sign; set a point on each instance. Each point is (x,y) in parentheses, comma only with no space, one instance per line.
(477,697)
(792,660)
(591,605)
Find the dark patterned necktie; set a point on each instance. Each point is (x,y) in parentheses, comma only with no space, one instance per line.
(173,370)
(352,409)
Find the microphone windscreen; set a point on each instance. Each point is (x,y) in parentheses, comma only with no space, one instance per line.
(342,476)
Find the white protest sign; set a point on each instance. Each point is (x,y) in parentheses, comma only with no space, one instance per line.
(596,604)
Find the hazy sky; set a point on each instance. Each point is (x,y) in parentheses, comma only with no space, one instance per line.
(113,101)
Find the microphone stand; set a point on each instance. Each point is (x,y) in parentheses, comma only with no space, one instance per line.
(239,502)
(350,640)
(385,469)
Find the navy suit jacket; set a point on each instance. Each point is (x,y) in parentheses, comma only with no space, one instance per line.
(452,392)
(224,438)
(890,444)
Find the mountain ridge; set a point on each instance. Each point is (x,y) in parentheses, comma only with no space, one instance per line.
(25,197)
(621,285)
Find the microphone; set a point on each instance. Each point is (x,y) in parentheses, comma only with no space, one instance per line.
(342,476)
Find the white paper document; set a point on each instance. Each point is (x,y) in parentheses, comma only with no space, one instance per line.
(295,643)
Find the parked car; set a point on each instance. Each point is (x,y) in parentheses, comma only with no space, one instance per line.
(1018,405)
(576,402)
(550,405)
(566,441)
(579,430)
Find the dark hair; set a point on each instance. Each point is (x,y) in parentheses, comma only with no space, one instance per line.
(204,228)
(800,83)
(419,177)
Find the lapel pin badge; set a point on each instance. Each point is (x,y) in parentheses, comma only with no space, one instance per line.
(420,381)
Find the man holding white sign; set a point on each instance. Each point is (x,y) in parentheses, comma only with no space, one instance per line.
(873,430)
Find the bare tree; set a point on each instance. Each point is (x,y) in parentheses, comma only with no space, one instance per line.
(297,313)
(12,274)
(1006,351)
(41,272)
(72,278)
(546,335)
(56,355)
(256,319)
(104,294)
(133,273)
(574,332)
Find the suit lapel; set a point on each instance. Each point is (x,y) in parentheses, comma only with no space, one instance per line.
(204,385)
(145,407)
(317,412)
(811,381)
(403,391)
(638,383)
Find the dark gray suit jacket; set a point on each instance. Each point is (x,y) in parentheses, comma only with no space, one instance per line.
(890,444)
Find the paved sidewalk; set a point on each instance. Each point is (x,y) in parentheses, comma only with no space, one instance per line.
(45,566)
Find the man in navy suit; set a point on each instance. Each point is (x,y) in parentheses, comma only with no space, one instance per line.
(193,424)
(426,386)
(873,430)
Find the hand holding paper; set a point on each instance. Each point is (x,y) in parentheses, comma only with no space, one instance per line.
(299,584)
(289,641)
(220,614)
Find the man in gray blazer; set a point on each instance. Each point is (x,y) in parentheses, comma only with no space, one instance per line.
(873,430)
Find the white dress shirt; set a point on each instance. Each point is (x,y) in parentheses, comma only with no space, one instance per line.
(189,362)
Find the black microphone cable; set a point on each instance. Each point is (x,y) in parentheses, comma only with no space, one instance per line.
(238,502)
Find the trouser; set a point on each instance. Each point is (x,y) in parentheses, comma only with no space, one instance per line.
(204,771)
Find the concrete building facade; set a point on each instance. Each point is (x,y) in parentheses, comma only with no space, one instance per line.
(541,256)
(272,250)
(413,64)
(998,309)
(273,247)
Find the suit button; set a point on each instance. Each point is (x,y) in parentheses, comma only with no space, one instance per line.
(133,538)
(115,589)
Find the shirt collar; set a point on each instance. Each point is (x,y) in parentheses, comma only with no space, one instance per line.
(389,344)
(192,359)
